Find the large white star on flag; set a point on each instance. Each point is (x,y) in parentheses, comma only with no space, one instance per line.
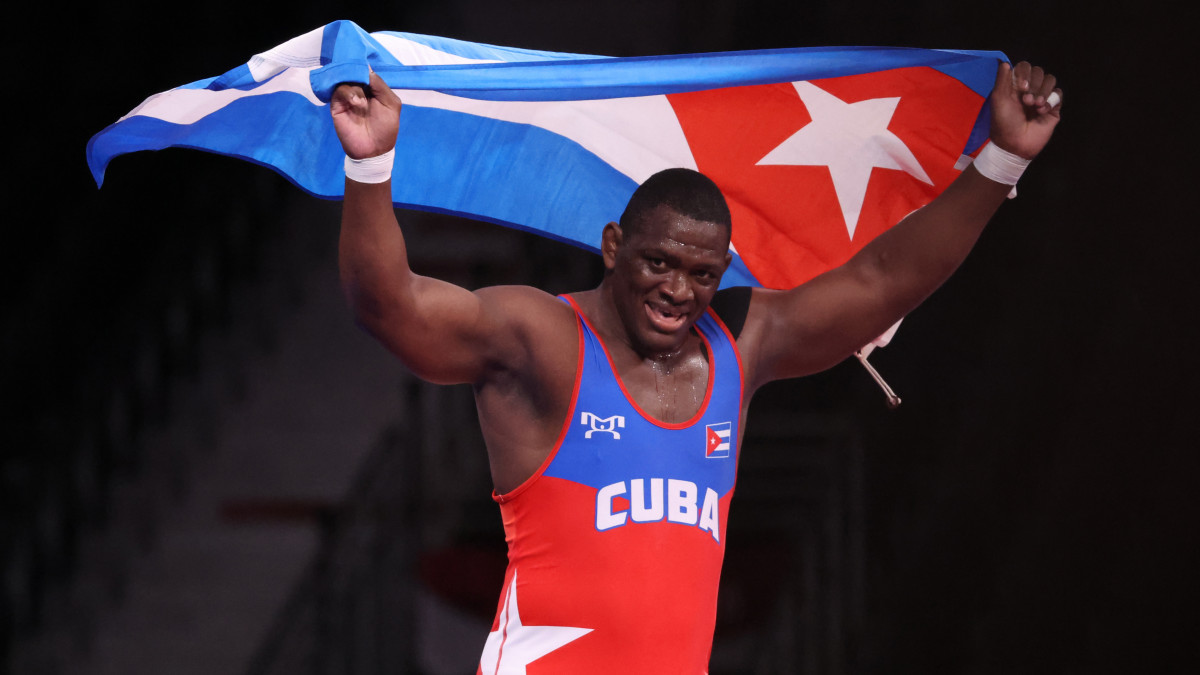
(514,645)
(851,139)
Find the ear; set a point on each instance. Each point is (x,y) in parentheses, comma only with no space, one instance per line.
(610,243)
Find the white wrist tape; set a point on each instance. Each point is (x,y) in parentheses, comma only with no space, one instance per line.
(376,169)
(1000,165)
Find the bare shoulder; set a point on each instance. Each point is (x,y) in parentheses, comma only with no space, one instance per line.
(536,322)
(809,328)
(745,312)
(524,306)
(769,326)
(732,305)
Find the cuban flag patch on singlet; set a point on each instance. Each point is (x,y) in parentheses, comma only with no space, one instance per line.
(716,444)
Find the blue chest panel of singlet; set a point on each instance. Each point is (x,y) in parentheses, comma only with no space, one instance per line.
(611,440)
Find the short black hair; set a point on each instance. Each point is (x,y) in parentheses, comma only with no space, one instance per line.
(687,192)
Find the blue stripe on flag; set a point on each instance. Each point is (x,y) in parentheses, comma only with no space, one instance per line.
(644,76)
(507,172)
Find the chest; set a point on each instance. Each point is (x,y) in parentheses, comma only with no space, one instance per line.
(658,428)
(672,393)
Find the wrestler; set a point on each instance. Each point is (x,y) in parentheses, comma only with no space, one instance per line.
(612,417)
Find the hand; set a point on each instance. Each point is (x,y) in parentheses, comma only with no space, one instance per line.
(366,118)
(1022,118)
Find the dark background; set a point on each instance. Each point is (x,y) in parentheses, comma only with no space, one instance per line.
(1031,506)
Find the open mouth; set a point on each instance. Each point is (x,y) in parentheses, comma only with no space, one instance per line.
(665,319)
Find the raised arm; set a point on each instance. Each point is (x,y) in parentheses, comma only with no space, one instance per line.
(818,324)
(442,332)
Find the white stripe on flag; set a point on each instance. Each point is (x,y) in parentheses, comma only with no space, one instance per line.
(637,136)
(299,52)
(412,53)
(188,106)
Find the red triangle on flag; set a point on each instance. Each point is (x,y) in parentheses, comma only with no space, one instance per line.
(713,441)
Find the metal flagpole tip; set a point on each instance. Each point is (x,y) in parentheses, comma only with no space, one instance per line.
(893,401)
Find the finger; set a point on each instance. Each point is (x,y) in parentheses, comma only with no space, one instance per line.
(1020,77)
(1034,96)
(376,83)
(348,91)
(381,91)
(1049,82)
(1026,77)
(348,96)
(1054,102)
(1036,75)
(1004,78)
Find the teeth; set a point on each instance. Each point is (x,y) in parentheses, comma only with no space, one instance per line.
(669,317)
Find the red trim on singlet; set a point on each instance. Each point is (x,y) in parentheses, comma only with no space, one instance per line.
(562,434)
(737,354)
(649,418)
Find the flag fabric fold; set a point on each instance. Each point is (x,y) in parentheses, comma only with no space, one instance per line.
(817,150)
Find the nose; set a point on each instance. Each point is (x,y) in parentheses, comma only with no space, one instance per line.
(676,288)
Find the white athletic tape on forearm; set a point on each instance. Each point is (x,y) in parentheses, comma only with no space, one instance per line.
(373,169)
(1000,165)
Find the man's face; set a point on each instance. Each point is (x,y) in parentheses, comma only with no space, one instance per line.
(663,276)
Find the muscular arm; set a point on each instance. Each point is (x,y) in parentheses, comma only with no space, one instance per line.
(516,344)
(816,325)
(442,332)
(437,329)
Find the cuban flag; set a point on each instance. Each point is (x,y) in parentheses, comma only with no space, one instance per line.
(817,150)
(716,440)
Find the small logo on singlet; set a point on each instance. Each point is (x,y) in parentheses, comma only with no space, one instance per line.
(716,440)
(607,425)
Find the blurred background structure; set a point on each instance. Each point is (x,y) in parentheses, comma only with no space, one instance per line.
(207,469)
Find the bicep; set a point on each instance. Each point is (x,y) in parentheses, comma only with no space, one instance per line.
(816,325)
(819,323)
(442,332)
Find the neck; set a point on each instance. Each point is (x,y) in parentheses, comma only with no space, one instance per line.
(601,310)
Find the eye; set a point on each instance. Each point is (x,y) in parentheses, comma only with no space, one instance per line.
(656,263)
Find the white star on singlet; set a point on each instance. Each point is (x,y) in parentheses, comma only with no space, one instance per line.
(514,645)
(851,139)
